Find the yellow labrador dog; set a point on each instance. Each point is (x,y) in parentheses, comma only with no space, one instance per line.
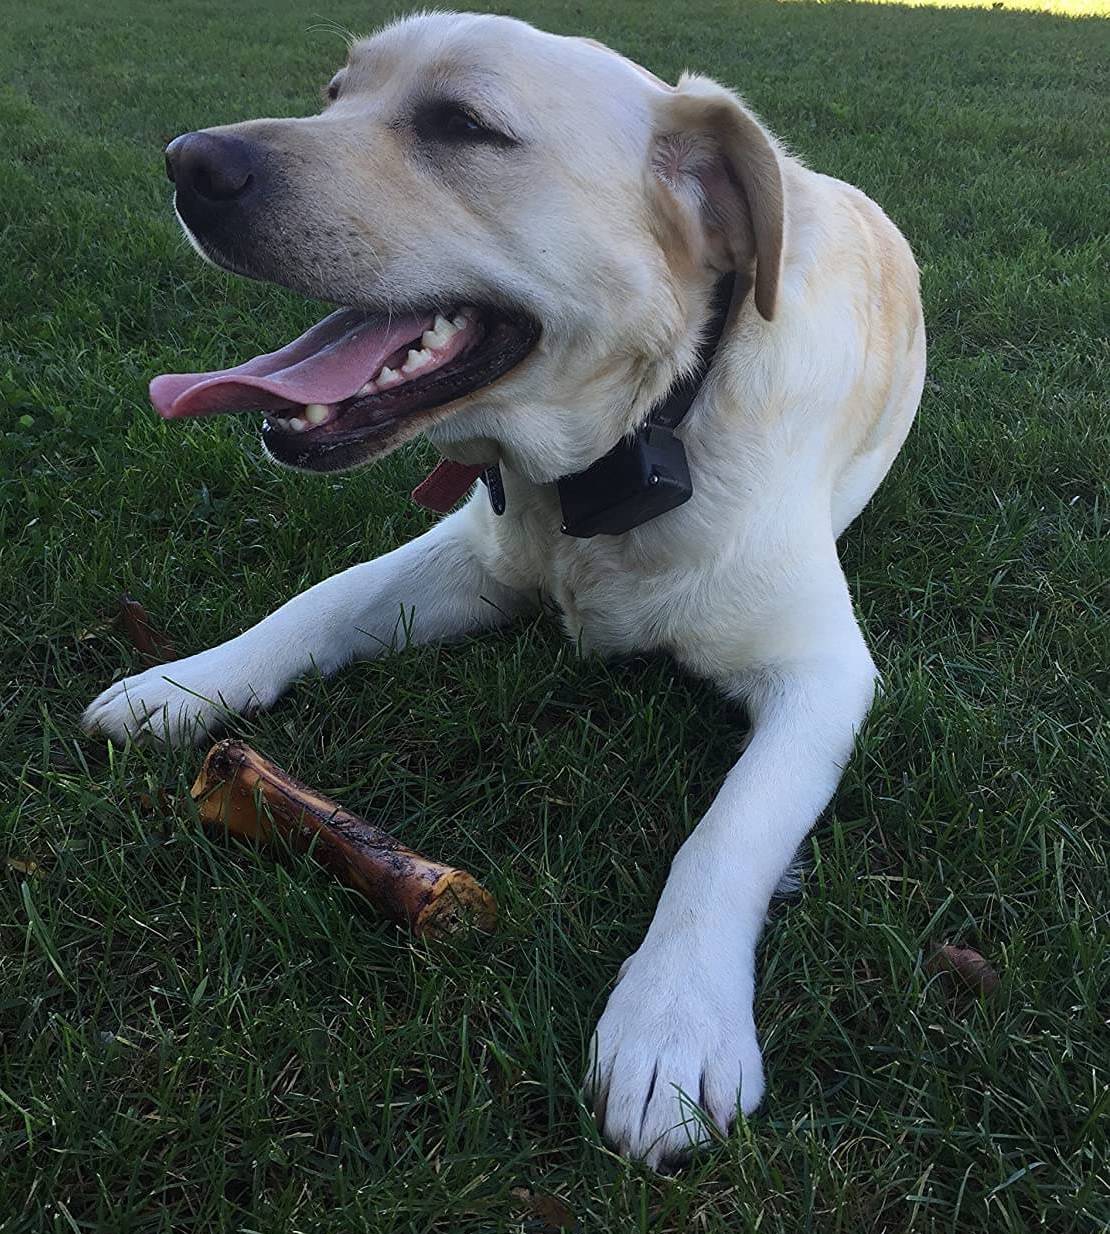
(529,236)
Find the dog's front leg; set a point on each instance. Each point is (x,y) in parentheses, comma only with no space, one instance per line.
(432,589)
(676,1047)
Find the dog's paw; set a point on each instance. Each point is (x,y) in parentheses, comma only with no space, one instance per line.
(675,1053)
(179,703)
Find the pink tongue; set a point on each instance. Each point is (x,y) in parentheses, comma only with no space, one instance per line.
(327,364)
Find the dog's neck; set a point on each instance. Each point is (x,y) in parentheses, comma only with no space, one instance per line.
(641,477)
(645,474)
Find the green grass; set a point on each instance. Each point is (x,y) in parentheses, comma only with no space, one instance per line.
(196,1038)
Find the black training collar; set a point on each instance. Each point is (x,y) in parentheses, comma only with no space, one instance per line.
(644,475)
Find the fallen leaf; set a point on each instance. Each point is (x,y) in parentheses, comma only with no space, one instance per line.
(549,1209)
(94,631)
(157,804)
(967,964)
(154,646)
(31,868)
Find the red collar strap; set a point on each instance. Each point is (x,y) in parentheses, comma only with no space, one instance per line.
(447,484)
(450,482)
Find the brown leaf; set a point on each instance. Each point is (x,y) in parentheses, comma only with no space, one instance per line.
(31,868)
(94,631)
(549,1209)
(154,646)
(967,964)
(159,803)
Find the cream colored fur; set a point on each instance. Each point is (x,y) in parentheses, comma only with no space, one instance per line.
(611,224)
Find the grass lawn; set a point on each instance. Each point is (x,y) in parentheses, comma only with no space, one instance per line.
(195,1037)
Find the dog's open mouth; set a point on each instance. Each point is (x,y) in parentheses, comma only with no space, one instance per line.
(357,384)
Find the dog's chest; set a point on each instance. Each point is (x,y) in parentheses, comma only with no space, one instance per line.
(679,589)
(615,600)
(603,607)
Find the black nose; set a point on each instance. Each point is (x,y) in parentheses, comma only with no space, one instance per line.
(215,167)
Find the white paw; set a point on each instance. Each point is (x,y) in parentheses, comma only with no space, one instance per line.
(675,1051)
(180,703)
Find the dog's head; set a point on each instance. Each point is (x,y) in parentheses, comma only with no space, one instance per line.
(523,231)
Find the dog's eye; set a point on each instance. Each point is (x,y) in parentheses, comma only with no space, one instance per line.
(453,124)
(331,90)
(459,125)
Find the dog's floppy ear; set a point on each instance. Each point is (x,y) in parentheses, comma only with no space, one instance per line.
(721,169)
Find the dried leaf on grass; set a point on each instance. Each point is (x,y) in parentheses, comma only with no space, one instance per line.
(159,803)
(154,646)
(31,868)
(967,964)
(97,630)
(549,1209)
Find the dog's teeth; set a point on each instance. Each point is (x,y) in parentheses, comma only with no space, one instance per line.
(461,319)
(369,388)
(441,331)
(316,413)
(298,425)
(280,421)
(388,377)
(416,360)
